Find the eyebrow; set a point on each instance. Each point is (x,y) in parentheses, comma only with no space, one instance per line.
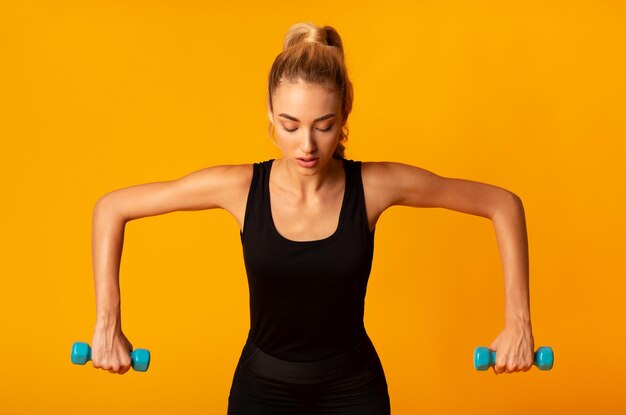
(323,117)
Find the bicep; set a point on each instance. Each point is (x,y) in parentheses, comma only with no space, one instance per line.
(413,186)
(207,188)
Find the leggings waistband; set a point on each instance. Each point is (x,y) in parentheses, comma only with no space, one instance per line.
(270,367)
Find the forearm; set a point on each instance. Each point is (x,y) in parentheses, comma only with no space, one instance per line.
(510,225)
(107,243)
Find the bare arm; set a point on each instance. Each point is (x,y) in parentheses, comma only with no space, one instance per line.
(107,239)
(510,224)
(515,344)
(110,346)
(403,184)
(213,187)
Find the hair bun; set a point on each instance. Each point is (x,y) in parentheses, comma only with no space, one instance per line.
(310,33)
(302,32)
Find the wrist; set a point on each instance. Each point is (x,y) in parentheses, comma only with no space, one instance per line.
(107,319)
(517,314)
(523,322)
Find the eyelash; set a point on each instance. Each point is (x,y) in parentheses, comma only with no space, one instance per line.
(324,131)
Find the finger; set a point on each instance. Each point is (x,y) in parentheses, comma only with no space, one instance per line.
(510,368)
(125,368)
(500,366)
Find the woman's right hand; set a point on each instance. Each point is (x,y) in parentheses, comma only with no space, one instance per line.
(110,349)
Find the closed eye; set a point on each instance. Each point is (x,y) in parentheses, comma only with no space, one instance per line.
(294,129)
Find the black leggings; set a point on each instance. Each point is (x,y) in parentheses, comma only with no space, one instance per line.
(351,383)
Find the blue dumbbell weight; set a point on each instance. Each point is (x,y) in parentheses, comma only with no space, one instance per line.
(485,358)
(140,358)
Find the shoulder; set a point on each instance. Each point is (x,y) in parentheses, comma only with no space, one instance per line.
(236,177)
(404,184)
(224,175)
(395,182)
(219,185)
(379,173)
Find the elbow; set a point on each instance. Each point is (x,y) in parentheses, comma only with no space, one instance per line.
(106,205)
(512,199)
(104,202)
(507,203)
(515,200)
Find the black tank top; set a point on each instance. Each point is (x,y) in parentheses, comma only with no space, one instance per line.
(307,297)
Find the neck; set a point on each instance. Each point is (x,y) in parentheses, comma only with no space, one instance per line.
(307,183)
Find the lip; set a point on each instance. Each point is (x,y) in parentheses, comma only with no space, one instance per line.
(309,159)
(307,163)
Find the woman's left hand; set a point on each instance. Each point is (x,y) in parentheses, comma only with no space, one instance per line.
(514,348)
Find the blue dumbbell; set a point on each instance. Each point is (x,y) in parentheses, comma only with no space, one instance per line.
(140,358)
(485,358)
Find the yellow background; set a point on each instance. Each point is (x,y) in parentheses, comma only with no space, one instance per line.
(529,96)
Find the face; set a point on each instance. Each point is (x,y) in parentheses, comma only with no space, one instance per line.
(307,122)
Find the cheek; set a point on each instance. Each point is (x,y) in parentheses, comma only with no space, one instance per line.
(286,139)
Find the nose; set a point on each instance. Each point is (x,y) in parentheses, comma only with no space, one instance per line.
(308,144)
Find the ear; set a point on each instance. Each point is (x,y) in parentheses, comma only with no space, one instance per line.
(269,113)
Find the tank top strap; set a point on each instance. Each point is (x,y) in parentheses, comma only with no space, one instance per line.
(254,202)
(357,211)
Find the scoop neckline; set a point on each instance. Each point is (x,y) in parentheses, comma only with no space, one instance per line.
(329,238)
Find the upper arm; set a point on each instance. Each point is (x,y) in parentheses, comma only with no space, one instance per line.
(404,184)
(208,188)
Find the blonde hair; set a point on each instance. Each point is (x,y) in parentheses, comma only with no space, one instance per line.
(315,55)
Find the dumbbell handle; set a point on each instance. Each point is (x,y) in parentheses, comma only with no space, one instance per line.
(81,354)
(484,358)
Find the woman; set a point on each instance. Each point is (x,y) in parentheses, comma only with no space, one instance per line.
(307,223)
